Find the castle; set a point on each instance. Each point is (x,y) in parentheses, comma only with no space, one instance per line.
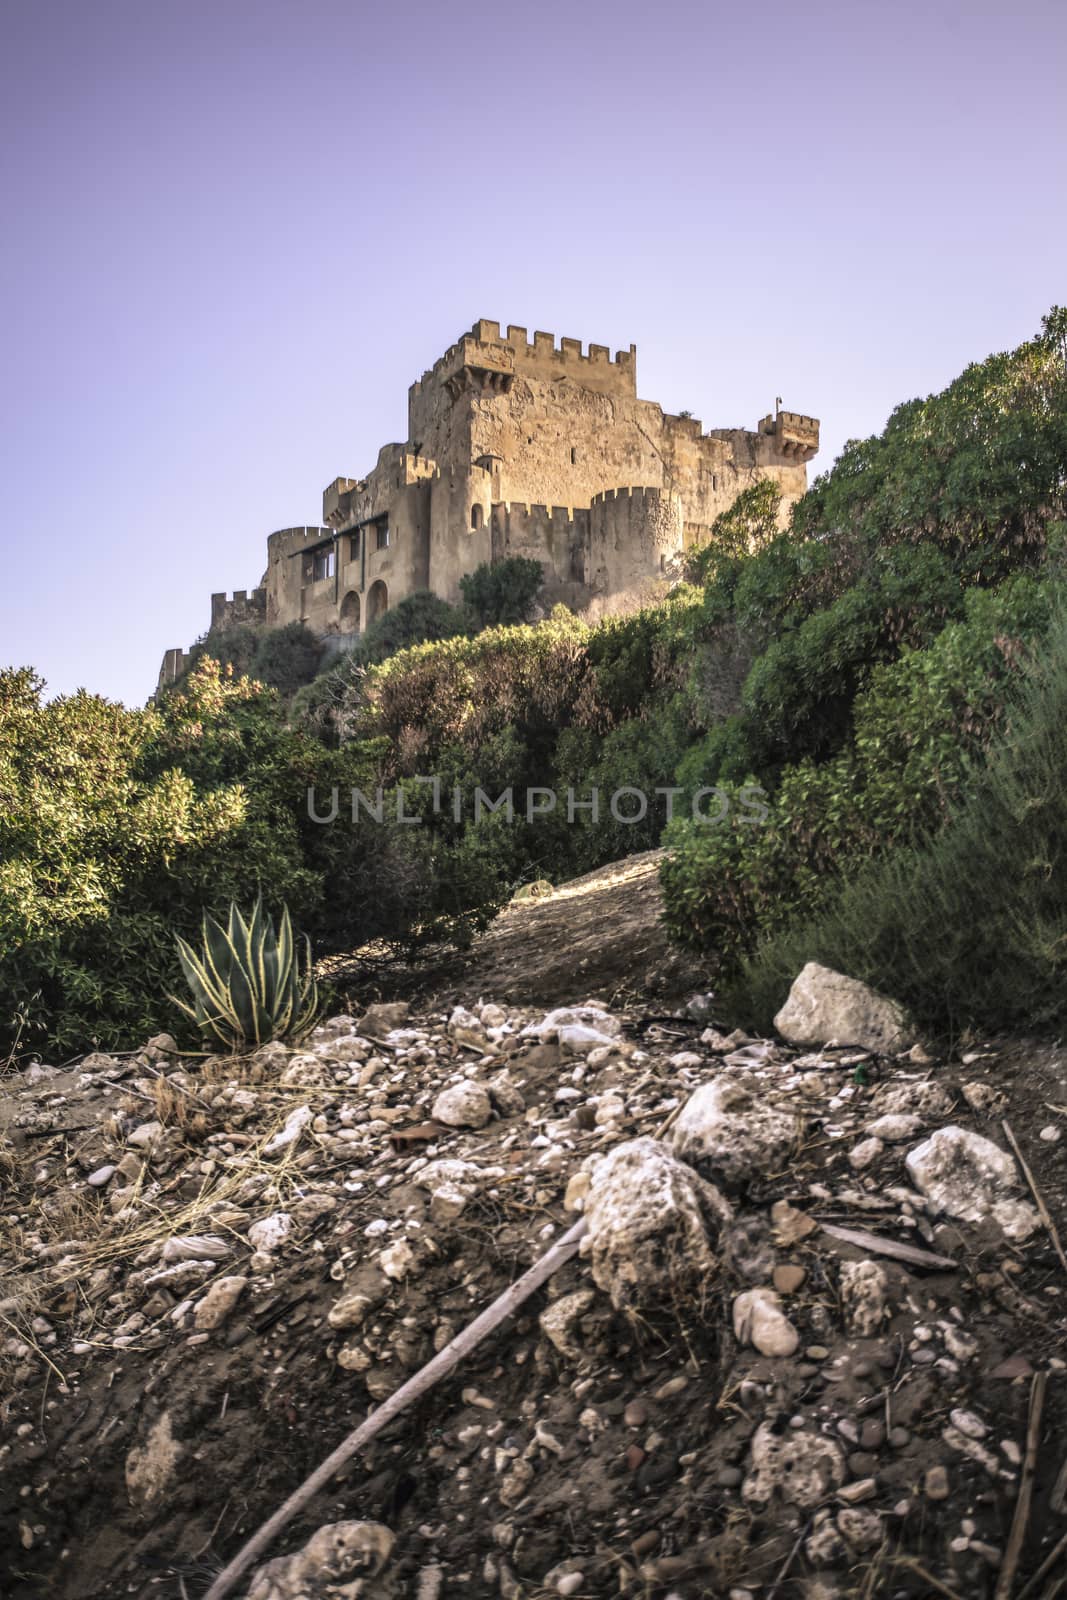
(517,447)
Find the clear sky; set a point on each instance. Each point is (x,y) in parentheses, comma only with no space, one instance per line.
(234,231)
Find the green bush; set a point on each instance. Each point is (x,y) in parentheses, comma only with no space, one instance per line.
(967,928)
(500,593)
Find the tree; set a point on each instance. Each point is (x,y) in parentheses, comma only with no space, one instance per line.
(502,593)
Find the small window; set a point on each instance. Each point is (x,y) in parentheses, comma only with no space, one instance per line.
(354,542)
(383,534)
(477,517)
(574,456)
(323,565)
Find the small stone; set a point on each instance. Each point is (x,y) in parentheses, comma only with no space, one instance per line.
(862,1464)
(936,1484)
(570,1583)
(863,1294)
(1050,1134)
(636,1414)
(824,1006)
(760,1322)
(266,1236)
(788,1278)
(816,1352)
(790,1224)
(862,1489)
(899,1437)
(102,1175)
(872,1434)
(968,1424)
(221,1298)
(728,1477)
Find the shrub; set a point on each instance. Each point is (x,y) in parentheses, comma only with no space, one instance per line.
(968,927)
(500,593)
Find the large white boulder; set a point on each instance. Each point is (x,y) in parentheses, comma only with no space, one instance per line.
(652,1225)
(969,1177)
(730,1135)
(824,1005)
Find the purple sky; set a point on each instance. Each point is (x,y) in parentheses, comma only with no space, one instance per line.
(235,232)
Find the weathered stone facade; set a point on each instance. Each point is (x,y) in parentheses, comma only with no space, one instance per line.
(518,447)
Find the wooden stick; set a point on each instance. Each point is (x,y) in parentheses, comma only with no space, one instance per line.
(1046,1567)
(889,1247)
(1014,1547)
(423,1381)
(1036,1192)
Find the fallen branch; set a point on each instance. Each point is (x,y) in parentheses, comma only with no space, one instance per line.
(1016,1538)
(1039,1201)
(888,1247)
(423,1381)
(1058,1549)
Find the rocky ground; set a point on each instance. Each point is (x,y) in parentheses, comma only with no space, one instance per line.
(796,1356)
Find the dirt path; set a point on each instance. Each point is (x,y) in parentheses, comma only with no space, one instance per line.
(598,935)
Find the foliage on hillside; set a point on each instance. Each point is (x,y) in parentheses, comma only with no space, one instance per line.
(854,667)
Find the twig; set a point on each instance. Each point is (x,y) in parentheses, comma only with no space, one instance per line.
(1036,1192)
(790,1558)
(424,1380)
(927,1576)
(1058,1549)
(888,1247)
(1013,1548)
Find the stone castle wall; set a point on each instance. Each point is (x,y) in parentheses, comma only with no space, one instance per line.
(521,446)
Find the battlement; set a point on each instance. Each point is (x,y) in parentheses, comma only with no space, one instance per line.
(486,350)
(638,492)
(795,435)
(286,540)
(239,608)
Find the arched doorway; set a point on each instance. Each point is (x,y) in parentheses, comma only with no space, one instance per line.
(377,601)
(350,612)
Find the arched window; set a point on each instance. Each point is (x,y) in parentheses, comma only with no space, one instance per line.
(377,601)
(477,518)
(350,612)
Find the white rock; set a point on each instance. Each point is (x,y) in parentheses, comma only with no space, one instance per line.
(336,1554)
(865,1154)
(578,1039)
(218,1302)
(197,1247)
(559,1321)
(447,1202)
(397,1260)
(463,1105)
(797,1467)
(824,1005)
(268,1234)
(760,1321)
(648,1217)
(863,1294)
(968,1423)
(295,1123)
(967,1176)
(144,1137)
(1050,1134)
(102,1175)
(492,1016)
(730,1136)
(895,1126)
(590,1016)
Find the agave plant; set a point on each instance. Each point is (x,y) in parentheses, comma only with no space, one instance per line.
(247,985)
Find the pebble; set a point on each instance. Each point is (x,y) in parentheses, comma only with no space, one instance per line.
(636,1414)
(899,1437)
(102,1175)
(872,1434)
(817,1352)
(788,1278)
(862,1489)
(968,1424)
(936,1484)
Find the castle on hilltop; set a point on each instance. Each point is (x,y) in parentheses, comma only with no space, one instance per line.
(517,448)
